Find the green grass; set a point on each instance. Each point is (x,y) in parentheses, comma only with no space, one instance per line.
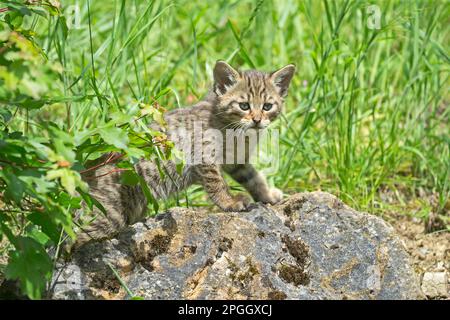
(367,110)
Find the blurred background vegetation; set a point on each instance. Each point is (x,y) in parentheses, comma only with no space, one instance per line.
(367,117)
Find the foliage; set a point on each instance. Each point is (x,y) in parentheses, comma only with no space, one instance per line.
(40,174)
(367,112)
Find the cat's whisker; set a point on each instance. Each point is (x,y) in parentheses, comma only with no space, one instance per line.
(231,124)
(217,113)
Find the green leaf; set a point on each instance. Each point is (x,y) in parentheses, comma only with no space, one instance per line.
(6,230)
(70,179)
(14,187)
(30,264)
(38,235)
(148,194)
(64,151)
(46,223)
(39,184)
(91,201)
(135,153)
(68,201)
(14,19)
(115,136)
(63,26)
(129,178)
(6,115)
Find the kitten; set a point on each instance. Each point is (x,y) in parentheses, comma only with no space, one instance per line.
(239,101)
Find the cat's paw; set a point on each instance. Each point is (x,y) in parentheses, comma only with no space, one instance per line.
(239,202)
(275,195)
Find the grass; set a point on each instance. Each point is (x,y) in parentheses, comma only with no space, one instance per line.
(367,110)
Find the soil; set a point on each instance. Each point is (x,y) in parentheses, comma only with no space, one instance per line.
(430,252)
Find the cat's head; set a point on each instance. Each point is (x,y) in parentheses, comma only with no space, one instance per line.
(250,99)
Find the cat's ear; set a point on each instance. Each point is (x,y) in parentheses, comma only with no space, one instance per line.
(282,78)
(225,77)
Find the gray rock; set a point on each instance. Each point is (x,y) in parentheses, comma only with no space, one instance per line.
(310,246)
(434,284)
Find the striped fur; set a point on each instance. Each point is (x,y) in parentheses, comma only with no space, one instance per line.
(221,109)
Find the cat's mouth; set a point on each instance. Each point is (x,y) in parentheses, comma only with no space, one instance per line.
(254,125)
(258,125)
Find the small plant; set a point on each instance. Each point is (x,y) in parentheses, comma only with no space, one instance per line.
(41,168)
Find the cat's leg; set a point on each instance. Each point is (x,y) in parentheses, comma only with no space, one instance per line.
(99,229)
(210,177)
(254,182)
(123,205)
(96,226)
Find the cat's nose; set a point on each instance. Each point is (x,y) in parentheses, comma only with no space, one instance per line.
(257,120)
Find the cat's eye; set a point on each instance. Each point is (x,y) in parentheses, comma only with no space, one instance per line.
(267,106)
(244,106)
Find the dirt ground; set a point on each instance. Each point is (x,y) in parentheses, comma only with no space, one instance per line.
(426,239)
(430,252)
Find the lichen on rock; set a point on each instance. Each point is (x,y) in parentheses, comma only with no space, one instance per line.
(310,246)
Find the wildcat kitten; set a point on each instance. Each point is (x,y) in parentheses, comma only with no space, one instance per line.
(239,100)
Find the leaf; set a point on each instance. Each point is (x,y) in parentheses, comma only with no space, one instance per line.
(46,223)
(38,183)
(135,152)
(148,194)
(5,229)
(243,51)
(62,217)
(30,264)
(14,19)
(68,201)
(14,187)
(5,114)
(63,26)
(64,151)
(38,235)
(115,136)
(91,201)
(70,179)
(129,178)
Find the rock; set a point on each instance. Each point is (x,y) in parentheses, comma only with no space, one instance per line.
(440,266)
(309,246)
(435,284)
